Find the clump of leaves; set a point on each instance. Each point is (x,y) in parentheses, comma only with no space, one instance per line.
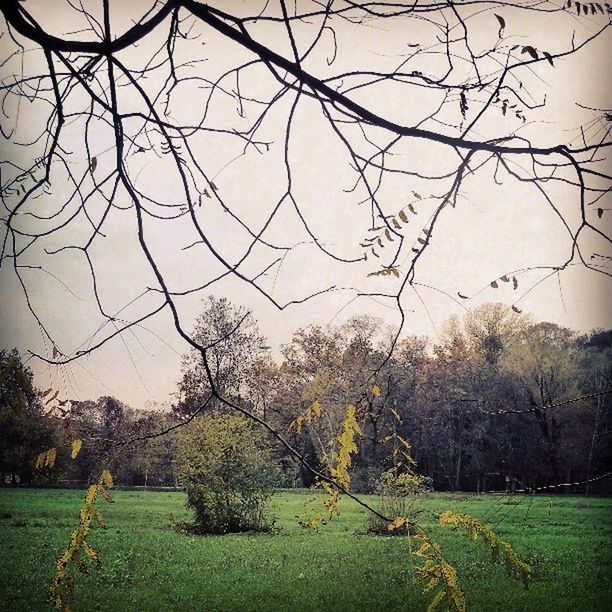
(340,461)
(436,572)
(515,567)
(78,550)
(313,411)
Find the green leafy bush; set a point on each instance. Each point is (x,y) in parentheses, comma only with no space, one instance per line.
(227,471)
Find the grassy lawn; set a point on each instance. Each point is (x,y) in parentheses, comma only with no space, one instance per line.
(146,565)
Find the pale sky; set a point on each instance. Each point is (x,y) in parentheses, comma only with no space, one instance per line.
(499,226)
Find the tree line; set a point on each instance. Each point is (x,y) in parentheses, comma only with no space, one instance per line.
(495,402)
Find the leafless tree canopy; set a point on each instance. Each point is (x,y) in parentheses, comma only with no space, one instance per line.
(189,146)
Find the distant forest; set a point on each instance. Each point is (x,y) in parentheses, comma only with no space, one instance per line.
(494,402)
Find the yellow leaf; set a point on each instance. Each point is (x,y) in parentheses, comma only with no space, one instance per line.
(104,493)
(106,479)
(435,602)
(90,496)
(76,447)
(316,408)
(90,552)
(376,391)
(50,458)
(423,549)
(97,516)
(40,460)
(398,522)
(405,443)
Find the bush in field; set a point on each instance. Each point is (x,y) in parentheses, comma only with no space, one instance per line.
(227,471)
(398,495)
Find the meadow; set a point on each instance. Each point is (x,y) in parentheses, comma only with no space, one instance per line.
(146,564)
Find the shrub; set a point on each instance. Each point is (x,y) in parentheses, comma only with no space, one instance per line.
(398,495)
(226,469)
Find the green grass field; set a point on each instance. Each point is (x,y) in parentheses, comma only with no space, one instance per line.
(146,565)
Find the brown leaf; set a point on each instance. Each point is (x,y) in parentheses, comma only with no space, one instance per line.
(548,56)
(416,195)
(502,22)
(375,253)
(529,49)
(403,216)
(599,213)
(516,309)
(388,236)
(93,164)
(463,297)
(396,224)
(213,186)
(411,209)
(494,285)
(463,106)
(514,282)
(505,279)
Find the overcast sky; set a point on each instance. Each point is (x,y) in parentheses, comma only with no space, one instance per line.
(498,227)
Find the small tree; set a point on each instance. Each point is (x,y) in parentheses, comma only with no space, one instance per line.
(226,468)
(232,344)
